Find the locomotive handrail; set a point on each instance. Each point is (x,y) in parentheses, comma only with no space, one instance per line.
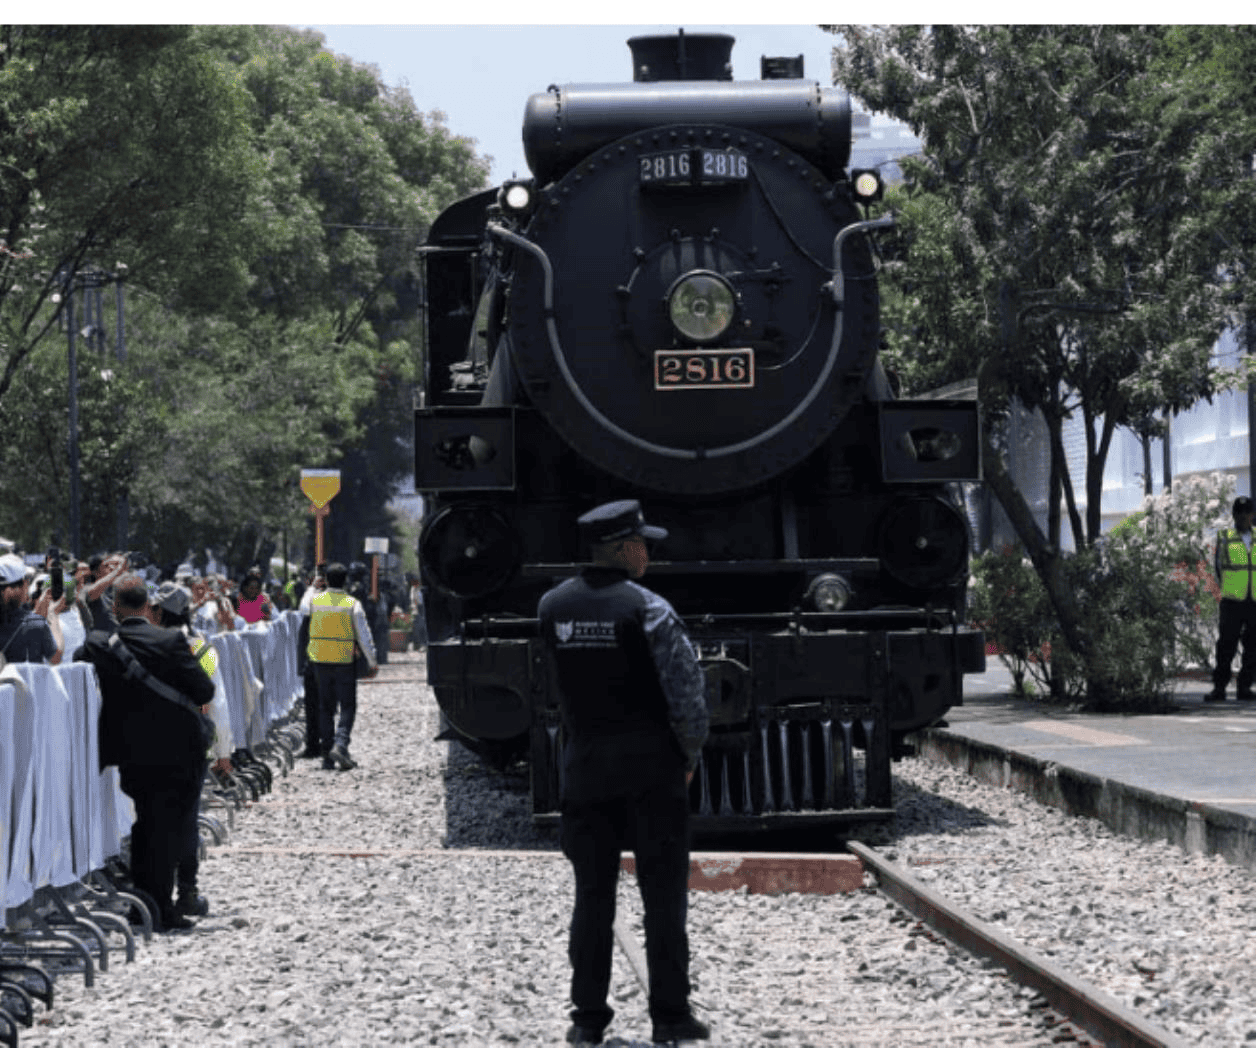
(839,241)
(838,285)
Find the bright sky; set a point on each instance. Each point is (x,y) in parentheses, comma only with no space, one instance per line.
(480,76)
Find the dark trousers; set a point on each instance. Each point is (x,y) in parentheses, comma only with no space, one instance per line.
(313,730)
(337,690)
(166,805)
(655,825)
(189,864)
(1237,622)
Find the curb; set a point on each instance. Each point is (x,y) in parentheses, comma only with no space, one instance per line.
(761,873)
(1194,826)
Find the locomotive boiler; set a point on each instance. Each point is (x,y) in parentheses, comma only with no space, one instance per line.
(680,306)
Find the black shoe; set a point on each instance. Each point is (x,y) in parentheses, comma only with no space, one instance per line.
(1246,696)
(328,764)
(1215,696)
(340,754)
(689,1029)
(579,1035)
(173,921)
(310,751)
(192,905)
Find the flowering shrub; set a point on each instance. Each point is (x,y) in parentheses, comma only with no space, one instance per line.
(1148,597)
(1008,601)
(400,620)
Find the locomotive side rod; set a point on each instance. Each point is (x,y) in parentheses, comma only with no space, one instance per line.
(1097,1013)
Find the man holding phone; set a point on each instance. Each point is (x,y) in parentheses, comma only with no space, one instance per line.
(27,636)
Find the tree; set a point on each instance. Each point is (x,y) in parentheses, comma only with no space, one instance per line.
(1050,240)
(267,199)
(117,143)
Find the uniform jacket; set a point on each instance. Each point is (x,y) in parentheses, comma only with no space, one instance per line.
(632,692)
(138,726)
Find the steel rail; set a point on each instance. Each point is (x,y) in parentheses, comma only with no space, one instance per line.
(1098,1014)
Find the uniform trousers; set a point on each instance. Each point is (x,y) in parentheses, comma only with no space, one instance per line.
(166,806)
(654,823)
(337,690)
(313,729)
(1237,620)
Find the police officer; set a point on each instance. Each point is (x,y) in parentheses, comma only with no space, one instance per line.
(1235,566)
(635,718)
(337,623)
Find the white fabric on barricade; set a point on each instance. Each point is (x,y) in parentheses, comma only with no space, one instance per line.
(53,731)
(258,670)
(243,691)
(12,772)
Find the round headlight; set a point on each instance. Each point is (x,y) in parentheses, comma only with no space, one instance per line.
(867,184)
(828,592)
(518,197)
(701,306)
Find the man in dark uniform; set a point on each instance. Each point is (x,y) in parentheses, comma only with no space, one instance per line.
(635,718)
(155,742)
(1235,565)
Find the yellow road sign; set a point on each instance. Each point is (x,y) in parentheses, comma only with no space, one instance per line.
(320,485)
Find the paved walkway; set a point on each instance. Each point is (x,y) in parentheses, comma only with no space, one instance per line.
(1188,776)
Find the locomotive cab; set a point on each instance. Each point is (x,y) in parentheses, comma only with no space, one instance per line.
(681,307)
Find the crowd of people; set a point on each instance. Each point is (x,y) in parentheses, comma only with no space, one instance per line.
(146,632)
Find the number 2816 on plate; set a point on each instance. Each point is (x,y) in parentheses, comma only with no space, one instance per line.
(704,369)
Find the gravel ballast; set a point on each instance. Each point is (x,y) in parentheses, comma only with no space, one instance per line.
(411,901)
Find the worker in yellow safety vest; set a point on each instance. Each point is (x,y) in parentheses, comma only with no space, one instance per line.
(1236,572)
(338,631)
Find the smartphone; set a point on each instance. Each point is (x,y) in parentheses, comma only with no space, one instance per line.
(56,572)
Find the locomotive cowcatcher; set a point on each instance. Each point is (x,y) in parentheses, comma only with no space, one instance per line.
(680,306)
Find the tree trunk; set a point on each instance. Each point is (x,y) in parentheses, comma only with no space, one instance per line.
(1045,557)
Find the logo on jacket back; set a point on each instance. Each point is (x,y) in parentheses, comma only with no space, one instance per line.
(585,634)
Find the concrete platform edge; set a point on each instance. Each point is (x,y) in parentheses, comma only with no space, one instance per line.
(1195,827)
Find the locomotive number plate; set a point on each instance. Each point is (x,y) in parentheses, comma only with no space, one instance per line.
(704,369)
(688,167)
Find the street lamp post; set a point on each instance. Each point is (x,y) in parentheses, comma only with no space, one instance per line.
(74,420)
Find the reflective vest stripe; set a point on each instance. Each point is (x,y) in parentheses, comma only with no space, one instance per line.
(331,628)
(205,654)
(1236,566)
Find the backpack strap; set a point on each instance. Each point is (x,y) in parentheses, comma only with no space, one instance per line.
(134,671)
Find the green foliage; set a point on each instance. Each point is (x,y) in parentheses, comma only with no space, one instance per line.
(265,199)
(1050,238)
(1008,601)
(1148,599)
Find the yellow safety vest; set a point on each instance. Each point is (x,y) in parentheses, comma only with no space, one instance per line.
(331,628)
(205,654)
(1236,566)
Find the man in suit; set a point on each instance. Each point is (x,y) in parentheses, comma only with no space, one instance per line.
(156,742)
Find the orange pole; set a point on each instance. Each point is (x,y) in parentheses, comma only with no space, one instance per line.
(319,513)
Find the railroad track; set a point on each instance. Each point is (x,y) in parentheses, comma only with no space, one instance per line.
(1092,1012)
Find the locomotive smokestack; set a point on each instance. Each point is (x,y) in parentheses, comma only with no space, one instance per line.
(702,56)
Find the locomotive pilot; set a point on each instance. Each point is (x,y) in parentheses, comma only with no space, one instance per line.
(635,718)
(1236,567)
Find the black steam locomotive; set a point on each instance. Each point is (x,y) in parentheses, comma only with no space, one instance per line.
(681,306)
